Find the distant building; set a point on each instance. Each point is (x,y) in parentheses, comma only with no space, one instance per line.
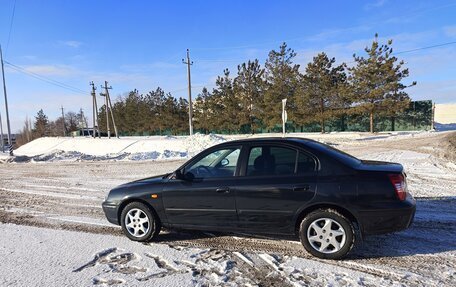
(89,132)
(5,139)
(445,116)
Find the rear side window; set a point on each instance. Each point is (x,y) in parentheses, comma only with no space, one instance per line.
(306,163)
(270,160)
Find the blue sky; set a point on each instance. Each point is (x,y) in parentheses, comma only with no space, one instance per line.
(140,44)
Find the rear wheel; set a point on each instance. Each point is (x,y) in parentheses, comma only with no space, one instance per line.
(327,234)
(138,222)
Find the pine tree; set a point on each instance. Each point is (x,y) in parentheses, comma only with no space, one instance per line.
(282,80)
(376,82)
(321,99)
(135,113)
(225,104)
(249,92)
(182,116)
(202,112)
(41,125)
(155,101)
(170,114)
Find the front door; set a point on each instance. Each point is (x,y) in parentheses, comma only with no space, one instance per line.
(205,197)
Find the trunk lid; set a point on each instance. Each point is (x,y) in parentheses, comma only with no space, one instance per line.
(383,166)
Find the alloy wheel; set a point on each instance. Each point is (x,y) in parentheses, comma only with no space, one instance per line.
(137,222)
(326,235)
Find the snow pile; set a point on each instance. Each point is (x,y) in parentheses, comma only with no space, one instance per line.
(199,142)
(50,149)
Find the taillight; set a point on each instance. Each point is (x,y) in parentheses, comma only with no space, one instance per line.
(399,184)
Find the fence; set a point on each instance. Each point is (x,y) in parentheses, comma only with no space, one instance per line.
(418,116)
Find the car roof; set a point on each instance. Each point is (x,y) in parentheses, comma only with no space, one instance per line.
(313,145)
(271,139)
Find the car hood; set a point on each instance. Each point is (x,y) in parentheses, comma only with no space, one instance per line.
(373,165)
(148,180)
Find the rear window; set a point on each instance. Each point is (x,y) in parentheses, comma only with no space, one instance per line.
(335,153)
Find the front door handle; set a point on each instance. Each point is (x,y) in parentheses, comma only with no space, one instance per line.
(223,190)
(305,187)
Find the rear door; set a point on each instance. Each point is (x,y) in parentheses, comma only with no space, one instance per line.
(275,182)
(207,200)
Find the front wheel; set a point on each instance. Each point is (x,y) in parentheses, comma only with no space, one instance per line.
(138,222)
(327,234)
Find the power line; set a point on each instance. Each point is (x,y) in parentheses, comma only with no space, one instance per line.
(416,49)
(45,79)
(10,27)
(215,60)
(194,87)
(308,38)
(424,48)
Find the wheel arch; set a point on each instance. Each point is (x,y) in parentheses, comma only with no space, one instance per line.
(344,211)
(134,199)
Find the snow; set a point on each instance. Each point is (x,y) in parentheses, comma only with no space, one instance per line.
(67,258)
(161,147)
(125,148)
(44,257)
(421,161)
(66,189)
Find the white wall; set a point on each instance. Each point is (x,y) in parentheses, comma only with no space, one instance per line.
(445,113)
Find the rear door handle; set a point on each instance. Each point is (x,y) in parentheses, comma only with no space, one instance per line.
(305,187)
(223,190)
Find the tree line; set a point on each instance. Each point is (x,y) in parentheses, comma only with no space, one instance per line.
(324,91)
(251,100)
(41,126)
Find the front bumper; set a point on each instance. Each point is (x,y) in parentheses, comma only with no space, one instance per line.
(110,211)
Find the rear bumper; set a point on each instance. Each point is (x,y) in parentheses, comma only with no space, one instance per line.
(110,211)
(388,220)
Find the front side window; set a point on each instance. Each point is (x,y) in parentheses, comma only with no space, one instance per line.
(219,163)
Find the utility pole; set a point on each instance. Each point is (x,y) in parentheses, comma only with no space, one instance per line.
(109,108)
(95,111)
(106,108)
(190,108)
(112,117)
(83,121)
(6,105)
(284,116)
(1,133)
(63,119)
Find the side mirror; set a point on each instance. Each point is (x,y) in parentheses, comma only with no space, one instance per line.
(178,174)
(187,176)
(224,162)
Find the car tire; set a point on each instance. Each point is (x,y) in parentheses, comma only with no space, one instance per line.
(139,222)
(327,234)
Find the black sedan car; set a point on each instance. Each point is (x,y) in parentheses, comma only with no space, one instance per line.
(274,186)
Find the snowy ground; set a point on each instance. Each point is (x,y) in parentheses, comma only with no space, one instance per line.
(54,233)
